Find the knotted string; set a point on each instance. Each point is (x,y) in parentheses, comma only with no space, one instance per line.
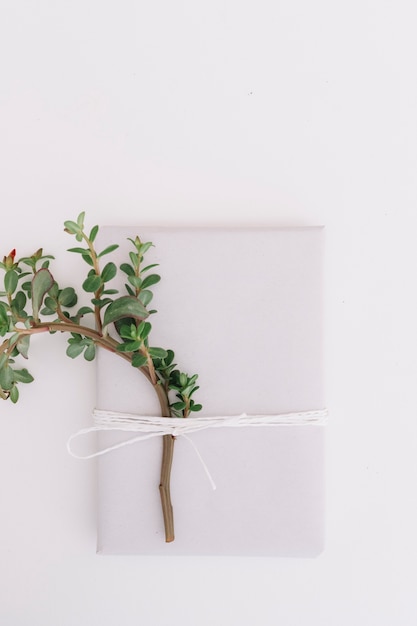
(151,426)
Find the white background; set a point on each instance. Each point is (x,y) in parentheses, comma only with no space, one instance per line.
(290,112)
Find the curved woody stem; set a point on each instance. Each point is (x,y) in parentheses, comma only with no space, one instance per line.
(110,344)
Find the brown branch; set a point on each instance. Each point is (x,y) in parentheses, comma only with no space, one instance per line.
(166,466)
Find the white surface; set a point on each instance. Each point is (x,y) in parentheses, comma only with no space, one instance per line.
(252,328)
(292,112)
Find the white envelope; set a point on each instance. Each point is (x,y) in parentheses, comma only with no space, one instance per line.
(242,308)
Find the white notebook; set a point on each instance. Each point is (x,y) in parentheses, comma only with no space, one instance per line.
(242,308)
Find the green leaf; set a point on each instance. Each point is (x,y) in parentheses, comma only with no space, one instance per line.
(193,391)
(178,406)
(128,332)
(19,301)
(80,220)
(126,306)
(79,250)
(75,349)
(129,346)
(90,352)
(67,297)
(158,353)
(135,281)
(108,250)
(92,283)
(139,360)
(127,269)
(144,247)
(10,281)
(23,376)
(101,303)
(145,296)
(149,267)
(93,233)
(109,272)
(23,345)
(27,287)
(41,283)
(6,378)
(196,407)
(84,310)
(28,261)
(134,258)
(54,291)
(72,227)
(14,394)
(152,279)
(3,314)
(50,303)
(144,329)
(170,357)
(87,258)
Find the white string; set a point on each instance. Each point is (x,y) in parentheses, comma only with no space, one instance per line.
(151,426)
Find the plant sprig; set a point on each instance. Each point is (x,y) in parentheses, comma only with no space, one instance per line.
(114,322)
(25,303)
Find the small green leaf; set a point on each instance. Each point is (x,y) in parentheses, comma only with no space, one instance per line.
(109,272)
(134,259)
(101,302)
(84,310)
(41,284)
(152,279)
(75,349)
(139,360)
(23,376)
(108,250)
(170,357)
(145,296)
(144,329)
(72,227)
(19,301)
(90,352)
(6,378)
(79,250)
(148,267)
(87,258)
(196,407)
(127,269)
(129,346)
(14,394)
(80,220)
(50,304)
(67,297)
(93,233)
(128,332)
(135,281)
(54,291)
(144,247)
(23,345)
(92,283)
(178,406)
(126,306)
(10,281)
(158,353)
